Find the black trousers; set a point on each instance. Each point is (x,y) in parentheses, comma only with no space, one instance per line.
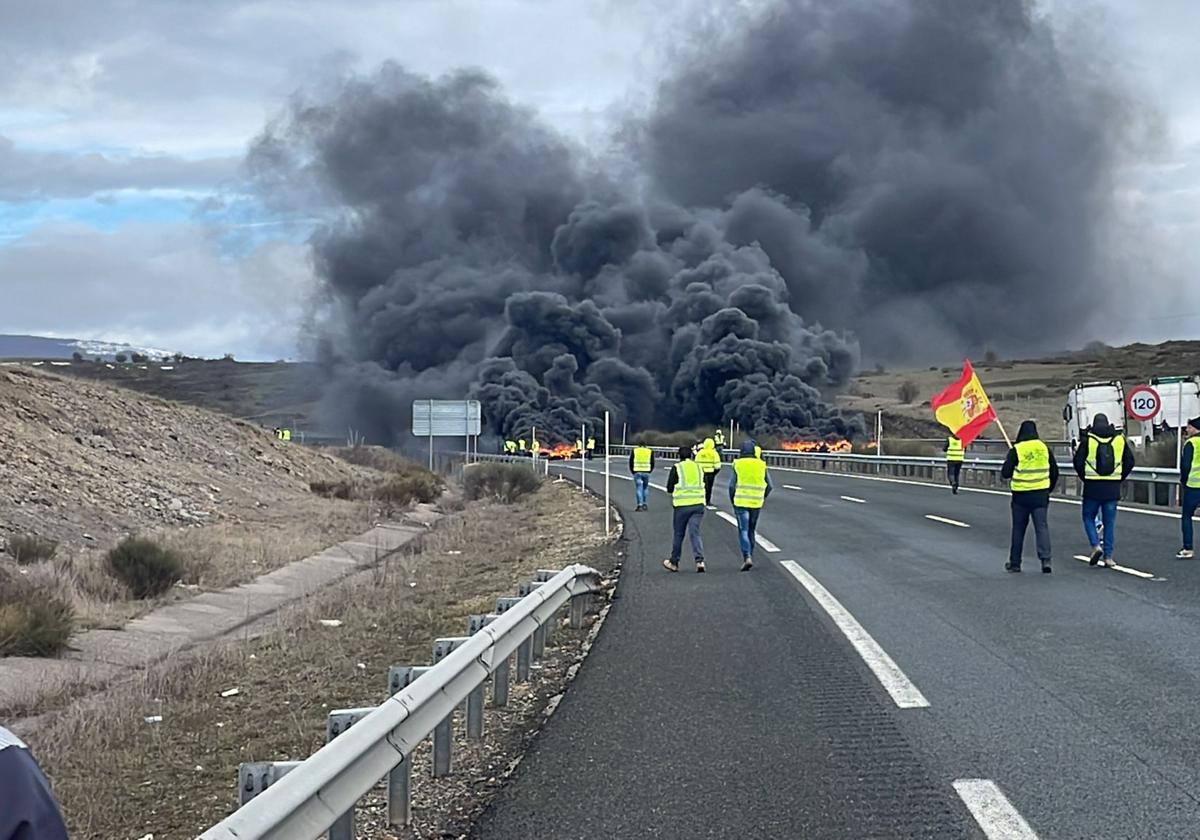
(1041,531)
(710,478)
(953,470)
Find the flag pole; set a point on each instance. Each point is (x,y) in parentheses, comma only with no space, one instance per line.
(1001,425)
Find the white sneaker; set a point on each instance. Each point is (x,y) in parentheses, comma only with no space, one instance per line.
(1185,554)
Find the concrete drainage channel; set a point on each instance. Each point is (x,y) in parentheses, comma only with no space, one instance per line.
(376,743)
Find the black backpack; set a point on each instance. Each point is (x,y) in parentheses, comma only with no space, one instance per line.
(1106,459)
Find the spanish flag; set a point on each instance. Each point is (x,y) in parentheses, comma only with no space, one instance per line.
(964,407)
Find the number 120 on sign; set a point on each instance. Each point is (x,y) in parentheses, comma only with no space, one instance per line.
(1143,403)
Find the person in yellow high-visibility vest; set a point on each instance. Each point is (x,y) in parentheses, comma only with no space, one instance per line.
(955,453)
(686,486)
(641,465)
(591,447)
(1032,473)
(1189,485)
(1103,459)
(749,487)
(522,447)
(510,447)
(709,460)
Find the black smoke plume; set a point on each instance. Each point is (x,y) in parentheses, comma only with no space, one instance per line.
(923,173)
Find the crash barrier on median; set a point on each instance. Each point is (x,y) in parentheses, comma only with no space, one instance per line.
(301,800)
(1151,486)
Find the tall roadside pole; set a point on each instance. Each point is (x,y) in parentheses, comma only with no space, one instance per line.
(607,509)
(583,457)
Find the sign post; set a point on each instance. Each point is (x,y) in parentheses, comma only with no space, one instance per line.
(446,418)
(607,509)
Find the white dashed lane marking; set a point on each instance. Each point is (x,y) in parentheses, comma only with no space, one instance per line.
(895,682)
(946,521)
(992,810)
(854,499)
(1135,572)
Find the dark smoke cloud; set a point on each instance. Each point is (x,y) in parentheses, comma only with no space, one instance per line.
(924,173)
(932,171)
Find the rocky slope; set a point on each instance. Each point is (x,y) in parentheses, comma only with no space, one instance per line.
(83,463)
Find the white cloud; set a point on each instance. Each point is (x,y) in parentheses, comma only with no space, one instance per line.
(164,285)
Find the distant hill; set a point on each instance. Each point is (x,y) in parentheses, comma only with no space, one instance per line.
(40,347)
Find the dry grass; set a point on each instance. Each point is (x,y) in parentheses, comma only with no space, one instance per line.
(213,557)
(118,776)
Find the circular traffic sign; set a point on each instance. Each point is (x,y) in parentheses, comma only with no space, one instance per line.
(1143,403)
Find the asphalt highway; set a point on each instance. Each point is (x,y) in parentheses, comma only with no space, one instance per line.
(879,675)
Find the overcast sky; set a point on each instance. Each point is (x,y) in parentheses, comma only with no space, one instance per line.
(120,120)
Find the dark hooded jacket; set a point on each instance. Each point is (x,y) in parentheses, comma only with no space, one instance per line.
(1029,498)
(27,807)
(1101,491)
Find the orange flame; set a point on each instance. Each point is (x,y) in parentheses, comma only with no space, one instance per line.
(559,452)
(819,446)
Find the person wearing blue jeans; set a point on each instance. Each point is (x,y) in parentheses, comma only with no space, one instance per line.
(1103,459)
(686,486)
(28,810)
(1189,486)
(641,465)
(749,486)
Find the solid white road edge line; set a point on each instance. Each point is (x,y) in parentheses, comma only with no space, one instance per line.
(897,684)
(946,521)
(854,499)
(992,810)
(1076,502)
(1135,572)
(762,542)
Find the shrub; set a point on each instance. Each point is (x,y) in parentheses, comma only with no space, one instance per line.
(121,357)
(907,392)
(416,486)
(31,549)
(341,489)
(33,622)
(377,457)
(146,567)
(77,356)
(504,482)
(990,357)
(137,358)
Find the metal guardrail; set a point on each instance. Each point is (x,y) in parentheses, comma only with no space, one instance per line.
(1152,486)
(300,801)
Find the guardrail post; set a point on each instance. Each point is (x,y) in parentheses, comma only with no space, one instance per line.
(443,733)
(256,776)
(501,670)
(339,721)
(475,699)
(578,610)
(539,635)
(399,780)
(542,576)
(525,648)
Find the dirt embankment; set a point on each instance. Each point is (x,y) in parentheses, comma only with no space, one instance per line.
(83,463)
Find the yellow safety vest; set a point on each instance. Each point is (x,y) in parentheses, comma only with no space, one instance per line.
(1033,467)
(709,460)
(510,446)
(591,443)
(1089,466)
(1194,472)
(757,451)
(689,485)
(521,444)
(641,459)
(954,449)
(751,487)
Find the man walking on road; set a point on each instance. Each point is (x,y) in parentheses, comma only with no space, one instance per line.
(1103,460)
(954,461)
(749,487)
(1189,485)
(709,460)
(686,486)
(641,464)
(1032,473)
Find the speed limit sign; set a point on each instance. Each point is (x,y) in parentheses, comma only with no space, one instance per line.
(1143,403)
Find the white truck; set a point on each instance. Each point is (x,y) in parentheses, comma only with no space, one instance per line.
(1180,396)
(1086,400)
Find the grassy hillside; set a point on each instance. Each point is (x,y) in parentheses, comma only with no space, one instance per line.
(1021,389)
